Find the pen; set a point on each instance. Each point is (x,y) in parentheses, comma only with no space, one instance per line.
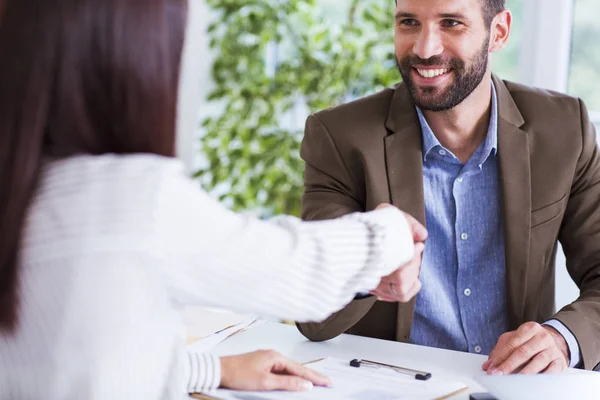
(419,375)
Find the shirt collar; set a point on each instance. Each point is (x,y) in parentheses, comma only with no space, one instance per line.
(490,144)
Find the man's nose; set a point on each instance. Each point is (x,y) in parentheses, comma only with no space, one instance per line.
(428,44)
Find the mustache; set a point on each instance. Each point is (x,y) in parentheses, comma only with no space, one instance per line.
(409,61)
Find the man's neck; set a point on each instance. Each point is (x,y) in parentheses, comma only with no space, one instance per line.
(463,128)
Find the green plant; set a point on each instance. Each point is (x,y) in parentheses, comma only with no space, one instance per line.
(252,145)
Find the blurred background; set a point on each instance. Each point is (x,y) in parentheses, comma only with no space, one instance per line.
(267,64)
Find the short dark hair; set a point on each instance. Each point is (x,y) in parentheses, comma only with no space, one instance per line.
(490,9)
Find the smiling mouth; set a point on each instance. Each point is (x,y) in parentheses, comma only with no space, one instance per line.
(432,73)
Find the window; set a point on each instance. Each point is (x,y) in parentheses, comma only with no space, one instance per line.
(584,74)
(506,62)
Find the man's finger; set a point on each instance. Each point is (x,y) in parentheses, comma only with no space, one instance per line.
(519,356)
(293,368)
(286,382)
(555,367)
(486,364)
(412,292)
(509,342)
(538,363)
(418,230)
(383,296)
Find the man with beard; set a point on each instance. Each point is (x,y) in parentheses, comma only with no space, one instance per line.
(497,171)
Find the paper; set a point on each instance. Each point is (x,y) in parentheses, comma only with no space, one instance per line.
(580,385)
(364,383)
(206,344)
(200,323)
(206,328)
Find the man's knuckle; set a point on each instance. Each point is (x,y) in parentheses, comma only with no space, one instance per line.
(529,327)
(505,336)
(523,352)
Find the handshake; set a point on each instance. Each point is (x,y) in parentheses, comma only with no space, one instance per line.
(404,284)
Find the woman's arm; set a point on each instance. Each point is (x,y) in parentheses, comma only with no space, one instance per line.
(283,268)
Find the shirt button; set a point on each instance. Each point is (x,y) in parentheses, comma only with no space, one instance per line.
(467,292)
(464,236)
(477,349)
(442,152)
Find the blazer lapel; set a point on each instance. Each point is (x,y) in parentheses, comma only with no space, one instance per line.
(515,182)
(404,164)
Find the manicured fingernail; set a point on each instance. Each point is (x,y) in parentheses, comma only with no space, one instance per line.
(305,386)
(379,298)
(496,372)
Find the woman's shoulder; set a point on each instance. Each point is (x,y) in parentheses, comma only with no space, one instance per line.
(113,166)
(107,200)
(108,176)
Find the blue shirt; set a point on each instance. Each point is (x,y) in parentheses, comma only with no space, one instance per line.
(462,304)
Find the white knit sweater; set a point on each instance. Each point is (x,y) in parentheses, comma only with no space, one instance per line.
(115,246)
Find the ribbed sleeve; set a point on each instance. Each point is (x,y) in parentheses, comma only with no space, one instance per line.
(202,373)
(283,268)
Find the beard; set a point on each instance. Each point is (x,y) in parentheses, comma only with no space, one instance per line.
(466,79)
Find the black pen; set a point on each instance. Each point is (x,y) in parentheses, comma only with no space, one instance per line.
(419,375)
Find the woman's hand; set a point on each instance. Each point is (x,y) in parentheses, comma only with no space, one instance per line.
(268,370)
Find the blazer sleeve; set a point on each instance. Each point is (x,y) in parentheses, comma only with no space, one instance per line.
(580,238)
(330,191)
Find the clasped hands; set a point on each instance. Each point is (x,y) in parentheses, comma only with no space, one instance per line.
(404,284)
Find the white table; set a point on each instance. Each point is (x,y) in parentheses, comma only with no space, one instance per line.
(288,341)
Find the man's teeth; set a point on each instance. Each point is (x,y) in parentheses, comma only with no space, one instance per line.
(432,73)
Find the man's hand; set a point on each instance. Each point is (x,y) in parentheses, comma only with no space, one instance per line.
(419,232)
(268,370)
(532,347)
(403,284)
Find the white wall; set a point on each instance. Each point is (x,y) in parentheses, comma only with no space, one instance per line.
(195,83)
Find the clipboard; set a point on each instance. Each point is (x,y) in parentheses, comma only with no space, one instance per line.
(449,395)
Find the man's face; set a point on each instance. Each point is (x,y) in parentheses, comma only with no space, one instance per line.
(442,50)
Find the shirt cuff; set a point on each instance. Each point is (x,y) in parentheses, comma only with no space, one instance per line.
(203,372)
(572,344)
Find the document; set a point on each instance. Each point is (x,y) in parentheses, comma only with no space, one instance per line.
(364,383)
(579,385)
(206,328)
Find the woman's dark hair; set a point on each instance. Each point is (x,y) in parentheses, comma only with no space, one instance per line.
(79,77)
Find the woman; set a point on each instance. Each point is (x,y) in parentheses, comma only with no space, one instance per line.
(104,239)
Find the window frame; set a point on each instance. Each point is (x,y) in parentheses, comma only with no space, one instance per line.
(545,56)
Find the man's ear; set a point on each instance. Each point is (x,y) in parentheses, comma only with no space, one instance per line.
(500,31)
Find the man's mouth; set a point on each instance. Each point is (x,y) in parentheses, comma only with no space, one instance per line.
(432,73)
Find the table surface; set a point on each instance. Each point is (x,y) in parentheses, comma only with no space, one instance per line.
(288,341)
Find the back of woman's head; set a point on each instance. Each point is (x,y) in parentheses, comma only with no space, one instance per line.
(79,77)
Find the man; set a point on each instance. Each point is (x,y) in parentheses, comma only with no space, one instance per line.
(497,171)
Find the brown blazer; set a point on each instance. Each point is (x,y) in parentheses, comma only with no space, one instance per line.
(369,151)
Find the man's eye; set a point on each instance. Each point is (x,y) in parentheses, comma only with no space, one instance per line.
(450,23)
(409,22)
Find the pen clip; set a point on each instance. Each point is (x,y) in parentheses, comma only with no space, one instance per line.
(419,375)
